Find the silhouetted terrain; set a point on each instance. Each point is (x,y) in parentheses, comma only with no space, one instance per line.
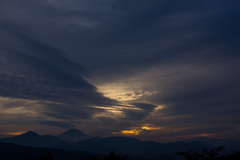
(131,146)
(33,139)
(73,135)
(16,152)
(230,144)
(121,145)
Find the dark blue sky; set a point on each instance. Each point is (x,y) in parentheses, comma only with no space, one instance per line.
(156,70)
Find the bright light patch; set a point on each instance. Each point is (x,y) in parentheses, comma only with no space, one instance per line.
(159,107)
(131,132)
(126,92)
(123,92)
(139,130)
(113,112)
(150,128)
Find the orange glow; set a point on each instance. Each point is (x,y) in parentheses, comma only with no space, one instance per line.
(148,127)
(204,135)
(15,133)
(138,130)
(131,132)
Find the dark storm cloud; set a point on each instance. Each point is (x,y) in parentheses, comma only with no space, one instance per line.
(209,92)
(142,110)
(117,31)
(71,111)
(41,72)
(58,124)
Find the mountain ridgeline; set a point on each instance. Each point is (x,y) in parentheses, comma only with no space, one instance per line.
(33,139)
(75,140)
(73,136)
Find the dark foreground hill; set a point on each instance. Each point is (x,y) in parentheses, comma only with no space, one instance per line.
(16,152)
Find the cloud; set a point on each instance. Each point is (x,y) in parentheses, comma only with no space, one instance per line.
(166,63)
(43,74)
(139,111)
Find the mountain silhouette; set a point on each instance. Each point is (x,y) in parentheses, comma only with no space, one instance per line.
(30,133)
(230,144)
(73,135)
(33,139)
(120,145)
(16,152)
(135,147)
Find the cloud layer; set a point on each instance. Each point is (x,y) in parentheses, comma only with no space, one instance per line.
(119,65)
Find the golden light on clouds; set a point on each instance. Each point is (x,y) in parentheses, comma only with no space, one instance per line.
(123,91)
(148,127)
(15,133)
(114,111)
(131,132)
(24,110)
(127,92)
(159,107)
(138,130)
(204,135)
(111,112)
(14,106)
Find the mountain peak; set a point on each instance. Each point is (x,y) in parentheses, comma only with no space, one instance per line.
(73,135)
(30,133)
(73,131)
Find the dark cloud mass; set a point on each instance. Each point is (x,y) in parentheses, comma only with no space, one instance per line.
(35,71)
(142,110)
(171,67)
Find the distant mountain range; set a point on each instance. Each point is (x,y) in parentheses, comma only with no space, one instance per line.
(121,145)
(33,139)
(73,135)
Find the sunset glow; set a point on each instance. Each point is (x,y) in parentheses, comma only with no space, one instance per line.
(150,128)
(131,132)
(15,133)
(124,91)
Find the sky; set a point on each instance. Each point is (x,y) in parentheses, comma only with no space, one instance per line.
(155,70)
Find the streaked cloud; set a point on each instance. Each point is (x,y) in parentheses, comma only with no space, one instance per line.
(117,65)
